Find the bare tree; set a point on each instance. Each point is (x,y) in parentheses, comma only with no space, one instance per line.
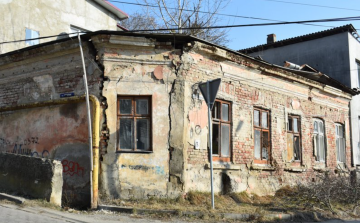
(140,21)
(194,14)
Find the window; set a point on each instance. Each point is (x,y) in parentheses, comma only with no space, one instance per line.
(261,136)
(340,143)
(134,123)
(31,34)
(221,130)
(358,72)
(293,138)
(319,140)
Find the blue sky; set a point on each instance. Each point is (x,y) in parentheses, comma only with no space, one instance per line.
(251,36)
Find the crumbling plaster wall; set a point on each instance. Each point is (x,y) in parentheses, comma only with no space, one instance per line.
(139,66)
(247,84)
(57,132)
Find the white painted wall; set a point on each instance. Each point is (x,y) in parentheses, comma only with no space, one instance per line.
(49,17)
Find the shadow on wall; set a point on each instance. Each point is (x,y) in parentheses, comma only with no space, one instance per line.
(75,160)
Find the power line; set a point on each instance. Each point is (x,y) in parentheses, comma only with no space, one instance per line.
(258,24)
(210,27)
(320,6)
(205,12)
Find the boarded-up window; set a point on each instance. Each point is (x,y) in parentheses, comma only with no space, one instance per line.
(340,143)
(221,130)
(134,123)
(319,140)
(261,136)
(294,151)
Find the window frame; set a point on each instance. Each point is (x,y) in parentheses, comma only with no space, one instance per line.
(295,134)
(262,129)
(344,143)
(134,116)
(219,121)
(316,140)
(358,72)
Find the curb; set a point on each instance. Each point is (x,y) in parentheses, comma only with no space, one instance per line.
(15,199)
(231,216)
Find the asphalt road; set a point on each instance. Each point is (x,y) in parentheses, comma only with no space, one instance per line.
(10,213)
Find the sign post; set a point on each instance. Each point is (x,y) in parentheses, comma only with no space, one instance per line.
(209,91)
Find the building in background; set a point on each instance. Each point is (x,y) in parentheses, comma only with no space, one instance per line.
(334,52)
(23,19)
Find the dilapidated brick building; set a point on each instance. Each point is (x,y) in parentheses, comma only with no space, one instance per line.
(272,126)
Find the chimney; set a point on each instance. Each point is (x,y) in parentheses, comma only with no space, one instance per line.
(271,38)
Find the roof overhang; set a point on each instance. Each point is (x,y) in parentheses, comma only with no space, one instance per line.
(113,9)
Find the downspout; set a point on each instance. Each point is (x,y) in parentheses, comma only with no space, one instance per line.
(95,148)
(95,131)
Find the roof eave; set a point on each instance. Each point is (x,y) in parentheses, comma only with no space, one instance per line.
(113,9)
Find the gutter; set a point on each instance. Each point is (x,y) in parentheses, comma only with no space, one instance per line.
(95,132)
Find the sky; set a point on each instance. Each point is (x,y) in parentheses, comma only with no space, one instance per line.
(244,37)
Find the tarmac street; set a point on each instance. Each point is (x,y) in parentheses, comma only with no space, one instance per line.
(18,214)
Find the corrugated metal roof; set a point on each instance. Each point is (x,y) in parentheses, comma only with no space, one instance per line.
(346,28)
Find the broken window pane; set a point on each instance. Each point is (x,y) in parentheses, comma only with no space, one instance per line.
(257,144)
(264,119)
(256,118)
(126,133)
(297,152)
(225,112)
(125,106)
(290,124)
(225,140)
(142,131)
(265,144)
(142,107)
(295,124)
(215,139)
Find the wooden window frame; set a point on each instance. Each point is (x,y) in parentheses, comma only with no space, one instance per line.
(344,141)
(318,133)
(262,129)
(294,134)
(135,117)
(219,121)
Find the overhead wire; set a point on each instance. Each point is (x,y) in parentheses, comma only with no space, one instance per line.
(205,12)
(210,27)
(312,5)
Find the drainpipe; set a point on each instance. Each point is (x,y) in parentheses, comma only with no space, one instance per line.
(89,121)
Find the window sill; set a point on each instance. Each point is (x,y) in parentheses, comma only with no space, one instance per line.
(295,169)
(262,167)
(130,151)
(223,166)
(320,169)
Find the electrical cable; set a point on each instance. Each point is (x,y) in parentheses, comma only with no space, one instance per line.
(221,14)
(356,18)
(305,4)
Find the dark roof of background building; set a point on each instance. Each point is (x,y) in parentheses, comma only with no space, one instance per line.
(311,36)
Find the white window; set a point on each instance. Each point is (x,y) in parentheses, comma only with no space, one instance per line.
(340,143)
(31,34)
(319,140)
